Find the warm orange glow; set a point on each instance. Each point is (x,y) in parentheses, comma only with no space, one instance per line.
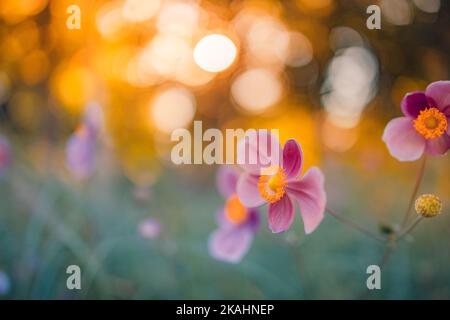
(14,11)
(34,67)
(140,10)
(172,108)
(73,86)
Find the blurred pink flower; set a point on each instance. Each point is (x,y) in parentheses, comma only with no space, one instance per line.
(149,228)
(5,154)
(425,127)
(237,224)
(81,146)
(80,152)
(284,187)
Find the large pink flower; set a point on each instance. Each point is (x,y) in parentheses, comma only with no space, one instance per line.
(282,187)
(425,127)
(237,224)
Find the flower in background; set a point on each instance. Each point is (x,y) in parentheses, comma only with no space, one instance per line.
(237,224)
(149,228)
(425,127)
(428,205)
(5,154)
(284,187)
(5,284)
(81,146)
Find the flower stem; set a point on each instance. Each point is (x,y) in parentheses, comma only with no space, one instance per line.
(354,225)
(410,228)
(400,234)
(388,251)
(415,190)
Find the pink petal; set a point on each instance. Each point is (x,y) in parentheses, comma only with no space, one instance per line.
(149,228)
(80,155)
(292,158)
(412,103)
(439,94)
(221,218)
(309,192)
(247,190)
(403,141)
(253,220)
(226,180)
(5,154)
(281,214)
(258,149)
(93,118)
(230,244)
(438,146)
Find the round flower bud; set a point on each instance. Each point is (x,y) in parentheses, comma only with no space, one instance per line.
(428,205)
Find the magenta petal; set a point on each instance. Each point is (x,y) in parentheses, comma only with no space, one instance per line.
(439,94)
(226,180)
(281,214)
(230,244)
(412,103)
(438,146)
(258,149)
(402,140)
(247,190)
(309,192)
(253,220)
(292,158)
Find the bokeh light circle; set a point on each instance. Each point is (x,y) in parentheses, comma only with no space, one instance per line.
(256,90)
(172,108)
(215,52)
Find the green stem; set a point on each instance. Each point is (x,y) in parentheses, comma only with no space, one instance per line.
(410,228)
(415,190)
(354,225)
(400,234)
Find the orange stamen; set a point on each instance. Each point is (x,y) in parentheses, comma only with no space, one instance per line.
(431,123)
(235,210)
(272,188)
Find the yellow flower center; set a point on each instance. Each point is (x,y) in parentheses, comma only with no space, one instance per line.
(235,210)
(431,123)
(428,205)
(272,188)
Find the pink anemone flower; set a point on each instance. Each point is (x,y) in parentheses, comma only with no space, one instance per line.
(425,126)
(283,186)
(237,224)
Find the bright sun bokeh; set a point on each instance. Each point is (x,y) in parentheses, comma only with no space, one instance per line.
(87,175)
(215,53)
